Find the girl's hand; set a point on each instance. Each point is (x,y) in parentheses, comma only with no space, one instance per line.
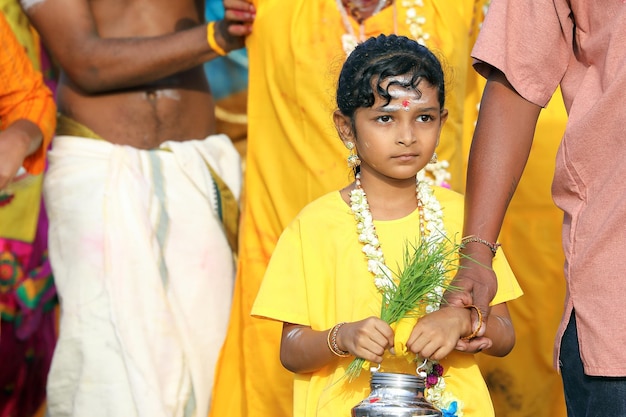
(436,334)
(367,339)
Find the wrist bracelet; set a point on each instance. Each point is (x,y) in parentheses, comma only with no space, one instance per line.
(331,339)
(480,323)
(493,247)
(210,36)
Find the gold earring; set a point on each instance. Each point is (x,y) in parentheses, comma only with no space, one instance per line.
(433,159)
(353,158)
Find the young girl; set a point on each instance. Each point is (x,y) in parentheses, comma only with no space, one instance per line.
(391,110)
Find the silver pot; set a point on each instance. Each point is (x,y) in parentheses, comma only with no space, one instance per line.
(395,395)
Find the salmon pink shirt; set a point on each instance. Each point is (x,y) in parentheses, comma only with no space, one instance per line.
(581,46)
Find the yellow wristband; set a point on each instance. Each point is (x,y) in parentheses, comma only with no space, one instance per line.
(210,36)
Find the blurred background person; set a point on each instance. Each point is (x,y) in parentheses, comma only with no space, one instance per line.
(142,199)
(27,293)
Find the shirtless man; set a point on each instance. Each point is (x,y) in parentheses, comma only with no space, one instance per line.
(142,199)
(131,70)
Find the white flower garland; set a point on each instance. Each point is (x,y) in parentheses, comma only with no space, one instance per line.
(432,229)
(413,19)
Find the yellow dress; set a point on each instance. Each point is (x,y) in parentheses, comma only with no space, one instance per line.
(318,277)
(294,156)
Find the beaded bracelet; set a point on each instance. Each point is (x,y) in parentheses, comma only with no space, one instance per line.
(210,36)
(480,323)
(492,246)
(331,339)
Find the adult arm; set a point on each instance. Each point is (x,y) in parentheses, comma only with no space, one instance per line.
(499,152)
(97,64)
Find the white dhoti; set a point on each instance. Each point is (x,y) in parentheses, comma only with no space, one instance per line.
(144,273)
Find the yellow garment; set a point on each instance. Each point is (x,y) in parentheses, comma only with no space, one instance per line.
(318,277)
(294,156)
(24,32)
(19,218)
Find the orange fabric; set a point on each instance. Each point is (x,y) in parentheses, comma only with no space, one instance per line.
(23,94)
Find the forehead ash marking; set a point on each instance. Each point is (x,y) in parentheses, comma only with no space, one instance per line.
(407,97)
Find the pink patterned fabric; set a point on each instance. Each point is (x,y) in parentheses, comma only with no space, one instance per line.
(27,335)
(27,316)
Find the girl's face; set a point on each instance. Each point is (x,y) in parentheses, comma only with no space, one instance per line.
(397,139)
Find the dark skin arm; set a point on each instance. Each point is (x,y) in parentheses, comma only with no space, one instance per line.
(98,62)
(305,350)
(499,152)
(17,141)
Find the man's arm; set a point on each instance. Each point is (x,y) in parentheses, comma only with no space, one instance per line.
(499,152)
(97,64)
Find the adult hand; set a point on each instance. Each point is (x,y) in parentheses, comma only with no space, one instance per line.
(231,31)
(475,283)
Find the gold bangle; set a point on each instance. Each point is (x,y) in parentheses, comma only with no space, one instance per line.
(480,322)
(493,247)
(331,339)
(210,36)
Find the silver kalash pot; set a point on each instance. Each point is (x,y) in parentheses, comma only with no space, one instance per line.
(395,395)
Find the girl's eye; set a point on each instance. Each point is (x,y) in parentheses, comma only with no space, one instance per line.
(424,118)
(384,119)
